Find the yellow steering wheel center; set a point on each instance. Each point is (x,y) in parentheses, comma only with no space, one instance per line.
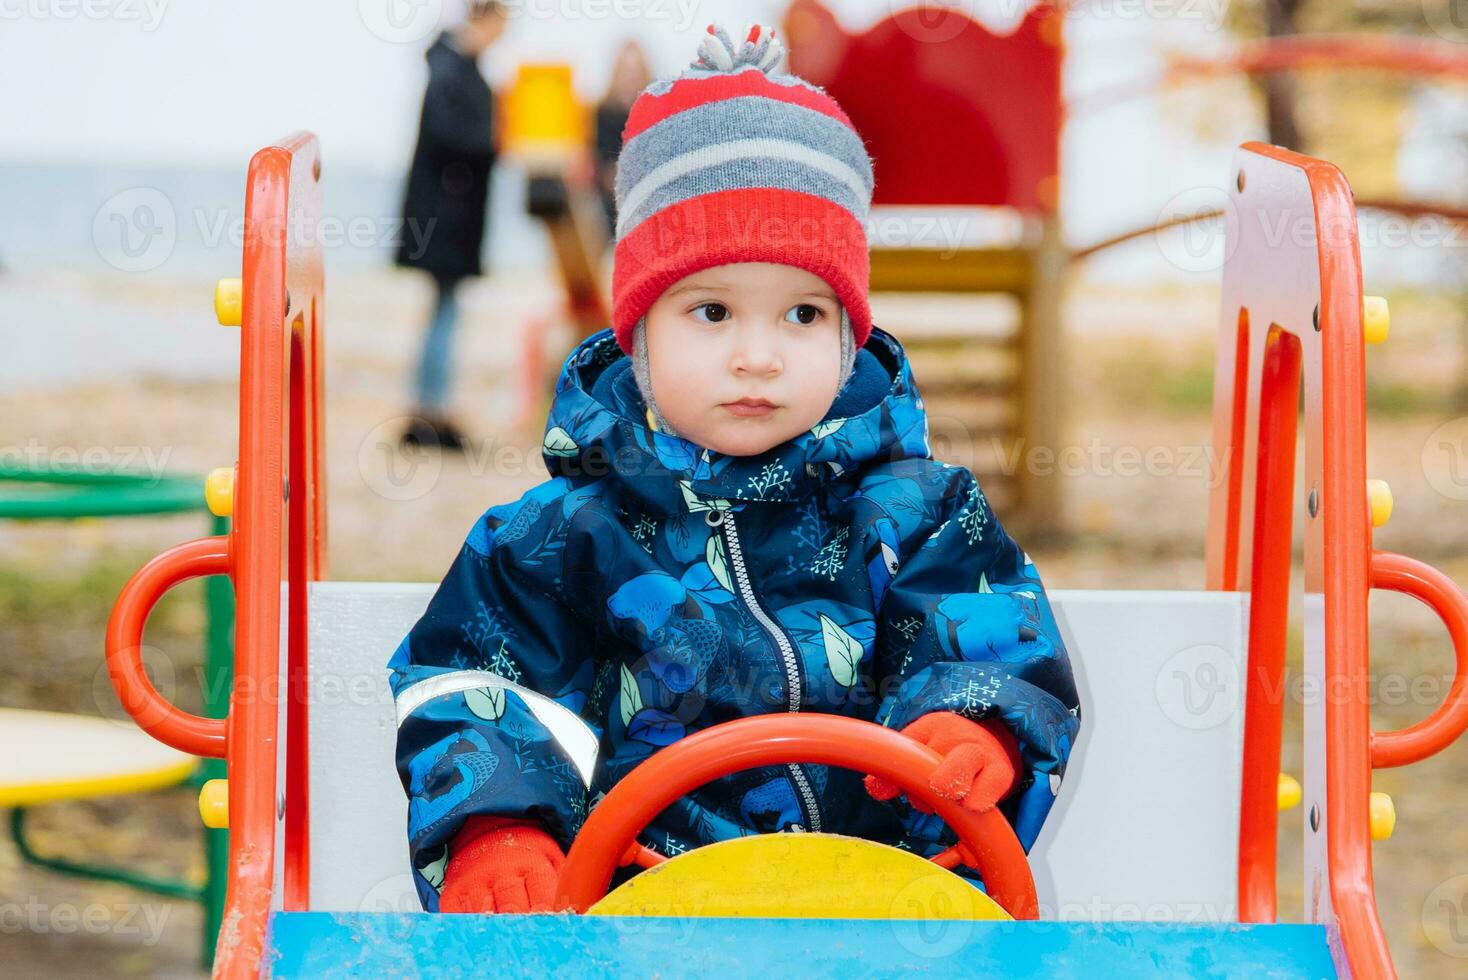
(792,875)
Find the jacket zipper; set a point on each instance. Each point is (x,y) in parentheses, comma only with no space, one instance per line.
(723,521)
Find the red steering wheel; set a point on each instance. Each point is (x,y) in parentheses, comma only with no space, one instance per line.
(609,836)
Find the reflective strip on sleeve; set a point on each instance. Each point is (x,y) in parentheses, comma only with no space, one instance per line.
(574,736)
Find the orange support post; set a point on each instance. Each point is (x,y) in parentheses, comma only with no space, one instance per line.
(278,538)
(1268,474)
(1293,307)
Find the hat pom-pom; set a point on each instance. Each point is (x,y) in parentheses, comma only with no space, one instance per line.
(759,48)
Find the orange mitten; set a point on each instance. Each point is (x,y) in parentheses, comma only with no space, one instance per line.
(980,761)
(497,864)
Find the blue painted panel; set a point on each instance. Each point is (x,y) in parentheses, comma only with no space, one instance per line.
(325,944)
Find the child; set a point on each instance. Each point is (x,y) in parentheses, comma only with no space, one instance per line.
(743,518)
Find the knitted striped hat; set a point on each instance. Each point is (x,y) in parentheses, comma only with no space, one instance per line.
(735,160)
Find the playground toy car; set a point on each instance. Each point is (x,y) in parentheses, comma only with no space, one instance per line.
(1160,857)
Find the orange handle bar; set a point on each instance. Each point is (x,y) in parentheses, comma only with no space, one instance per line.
(1399,573)
(609,835)
(154,713)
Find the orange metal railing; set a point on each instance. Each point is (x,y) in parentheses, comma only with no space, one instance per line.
(1293,312)
(278,536)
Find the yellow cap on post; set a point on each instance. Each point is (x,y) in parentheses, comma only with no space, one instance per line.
(219,491)
(1379,496)
(1376,319)
(1383,816)
(214,803)
(1289,792)
(227,302)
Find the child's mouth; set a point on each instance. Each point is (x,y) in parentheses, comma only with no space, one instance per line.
(751,407)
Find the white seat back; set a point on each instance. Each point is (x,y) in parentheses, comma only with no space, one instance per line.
(1146,825)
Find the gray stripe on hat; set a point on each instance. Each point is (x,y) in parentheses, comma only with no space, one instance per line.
(744,117)
(742,173)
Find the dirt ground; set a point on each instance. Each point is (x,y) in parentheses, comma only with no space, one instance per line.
(1138,379)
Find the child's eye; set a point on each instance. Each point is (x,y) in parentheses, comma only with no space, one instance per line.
(804,314)
(716,312)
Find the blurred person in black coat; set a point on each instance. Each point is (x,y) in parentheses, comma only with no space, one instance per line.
(446,199)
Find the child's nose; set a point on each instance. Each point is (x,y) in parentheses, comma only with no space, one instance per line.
(756,351)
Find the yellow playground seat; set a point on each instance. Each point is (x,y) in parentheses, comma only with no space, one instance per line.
(53,757)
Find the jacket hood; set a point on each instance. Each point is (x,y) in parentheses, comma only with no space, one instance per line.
(597,430)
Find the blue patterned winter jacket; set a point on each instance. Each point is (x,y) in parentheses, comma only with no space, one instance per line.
(652,588)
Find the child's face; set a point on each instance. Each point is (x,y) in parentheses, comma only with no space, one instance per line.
(722,340)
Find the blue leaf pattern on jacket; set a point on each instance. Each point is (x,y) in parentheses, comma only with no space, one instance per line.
(605,600)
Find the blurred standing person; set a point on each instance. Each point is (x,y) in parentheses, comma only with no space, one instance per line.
(446,199)
(630,75)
